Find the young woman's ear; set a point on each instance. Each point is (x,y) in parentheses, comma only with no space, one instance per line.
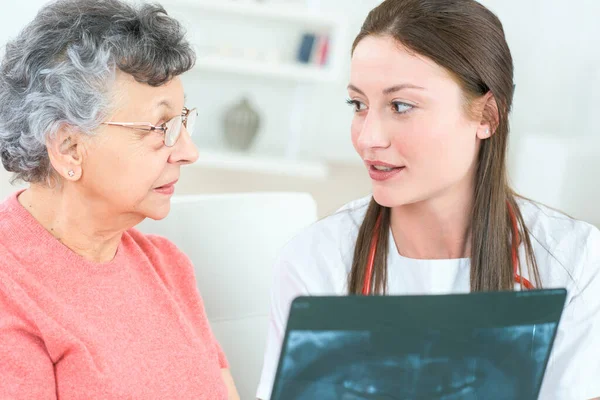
(489,116)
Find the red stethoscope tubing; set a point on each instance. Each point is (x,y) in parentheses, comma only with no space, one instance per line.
(515,258)
(515,249)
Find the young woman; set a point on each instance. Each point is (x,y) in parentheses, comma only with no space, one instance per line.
(432,85)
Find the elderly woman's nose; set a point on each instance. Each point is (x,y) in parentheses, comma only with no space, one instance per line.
(185,150)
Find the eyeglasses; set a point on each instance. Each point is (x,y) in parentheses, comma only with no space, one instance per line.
(171,128)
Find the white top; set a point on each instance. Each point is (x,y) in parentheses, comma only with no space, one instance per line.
(318,261)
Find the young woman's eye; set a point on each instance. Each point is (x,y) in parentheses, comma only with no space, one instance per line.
(358,106)
(400,107)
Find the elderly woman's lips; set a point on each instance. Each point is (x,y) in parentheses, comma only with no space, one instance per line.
(166,189)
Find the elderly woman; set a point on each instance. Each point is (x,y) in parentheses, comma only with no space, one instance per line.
(92,115)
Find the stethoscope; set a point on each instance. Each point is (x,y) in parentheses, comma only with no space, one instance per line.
(515,258)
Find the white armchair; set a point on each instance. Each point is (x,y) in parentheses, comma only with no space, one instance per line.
(233,239)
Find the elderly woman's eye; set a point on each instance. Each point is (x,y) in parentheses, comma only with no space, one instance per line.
(161,125)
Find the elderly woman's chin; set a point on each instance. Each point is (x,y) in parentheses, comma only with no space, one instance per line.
(156,206)
(159,211)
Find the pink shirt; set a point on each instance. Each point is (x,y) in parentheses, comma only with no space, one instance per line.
(132,328)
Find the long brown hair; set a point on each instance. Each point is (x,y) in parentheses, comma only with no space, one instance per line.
(467,40)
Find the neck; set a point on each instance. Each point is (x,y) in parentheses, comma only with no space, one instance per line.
(434,229)
(90,231)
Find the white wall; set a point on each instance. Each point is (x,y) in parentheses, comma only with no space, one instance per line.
(557,64)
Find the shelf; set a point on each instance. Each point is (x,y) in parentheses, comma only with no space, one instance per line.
(278,12)
(261,164)
(299,72)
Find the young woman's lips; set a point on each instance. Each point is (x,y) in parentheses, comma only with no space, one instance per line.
(379,171)
(167,189)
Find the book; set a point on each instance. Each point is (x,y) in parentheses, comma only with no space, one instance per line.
(305,50)
(322,51)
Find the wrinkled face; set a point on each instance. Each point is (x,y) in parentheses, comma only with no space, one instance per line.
(131,172)
(410,124)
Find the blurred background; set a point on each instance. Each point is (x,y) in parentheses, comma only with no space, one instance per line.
(270,87)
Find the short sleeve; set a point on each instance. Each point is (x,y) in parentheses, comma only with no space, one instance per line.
(287,285)
(573,371)
(26,368)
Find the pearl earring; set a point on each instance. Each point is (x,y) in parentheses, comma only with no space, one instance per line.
(71,173)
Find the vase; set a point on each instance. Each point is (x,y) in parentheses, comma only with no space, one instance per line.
(241,123)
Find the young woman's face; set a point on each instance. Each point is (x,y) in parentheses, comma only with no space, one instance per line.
(410,124)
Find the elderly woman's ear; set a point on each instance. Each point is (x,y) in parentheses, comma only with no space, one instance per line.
(66,150)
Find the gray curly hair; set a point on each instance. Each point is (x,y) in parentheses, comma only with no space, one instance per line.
(59,69)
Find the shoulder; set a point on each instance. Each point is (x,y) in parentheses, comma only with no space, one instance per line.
(159,250)
(561,242)
(10,220)
(566,238)
(150,242)
(320,256)
(337,230)
(555,227)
